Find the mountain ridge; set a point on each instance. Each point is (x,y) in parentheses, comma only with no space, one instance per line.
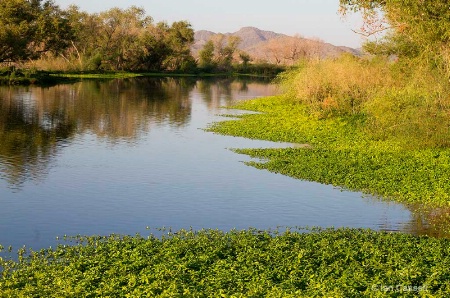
(277,48)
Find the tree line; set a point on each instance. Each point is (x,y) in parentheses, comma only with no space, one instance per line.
(116,39)
(40,35)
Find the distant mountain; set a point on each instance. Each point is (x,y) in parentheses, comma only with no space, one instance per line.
(250,36)
(274,47)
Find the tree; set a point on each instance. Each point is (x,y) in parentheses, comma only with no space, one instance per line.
(206,56)
(30,28)
(155,49)
(179,37)
(289,50)
(52,29)
(167,47)
(15,31)
(224,50)
(413,28)
(119,36)
(85,28)
(245,58)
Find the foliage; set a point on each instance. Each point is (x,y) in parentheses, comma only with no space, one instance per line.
(13,76)
(126,39)
(28,28)
(206,56)
(218,53)
(416,29)
(337,86)
(73,40)
(41,35)
(399,101)
(247,263)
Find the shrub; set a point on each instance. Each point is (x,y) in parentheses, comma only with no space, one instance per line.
(337,86)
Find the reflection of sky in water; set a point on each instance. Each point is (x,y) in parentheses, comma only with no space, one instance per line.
(175,176)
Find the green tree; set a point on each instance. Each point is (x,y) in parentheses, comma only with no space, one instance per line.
(52,31)
(245,59)
(83,46)
(206,56)
(227,53)
(225,48)
(15,31)
(30,28)
(155,49)
(179,37)
(418,29)
(119,36)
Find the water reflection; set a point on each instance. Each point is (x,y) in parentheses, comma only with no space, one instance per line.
(428,220)
(115,156)
(35,122)
(29,134)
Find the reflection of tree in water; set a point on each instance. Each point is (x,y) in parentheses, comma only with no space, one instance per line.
(35,122)
(219,92)
(123,108)
(427,220)
(28,139)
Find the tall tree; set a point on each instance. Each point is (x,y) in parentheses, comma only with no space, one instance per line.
(83,46)
(15,30)
(413,28)
(206,56)
(225,48)
(119,35)
(179,37)
(30,28)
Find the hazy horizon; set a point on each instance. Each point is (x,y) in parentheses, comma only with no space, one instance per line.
(307,18)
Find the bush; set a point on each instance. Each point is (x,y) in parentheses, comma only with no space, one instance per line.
(411,115)
(337,86)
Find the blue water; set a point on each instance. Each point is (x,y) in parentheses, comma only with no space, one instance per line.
(159,169)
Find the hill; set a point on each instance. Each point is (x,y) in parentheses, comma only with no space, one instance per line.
(274,47)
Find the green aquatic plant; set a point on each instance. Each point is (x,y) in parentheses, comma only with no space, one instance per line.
(341,152)
(303,262)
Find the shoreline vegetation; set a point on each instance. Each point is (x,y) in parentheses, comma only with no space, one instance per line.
(378,135)
(44,78)
(297,262)
(379,124)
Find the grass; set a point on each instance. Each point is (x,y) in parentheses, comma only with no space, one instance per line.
(93,75)
(249,263)
(125,75)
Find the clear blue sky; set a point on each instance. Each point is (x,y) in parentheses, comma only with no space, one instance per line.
(309,18)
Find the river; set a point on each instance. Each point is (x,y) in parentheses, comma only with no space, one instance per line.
(120,156)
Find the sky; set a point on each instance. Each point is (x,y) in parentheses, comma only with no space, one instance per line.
(307,18)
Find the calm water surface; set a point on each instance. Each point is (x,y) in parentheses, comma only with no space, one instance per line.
(117,156)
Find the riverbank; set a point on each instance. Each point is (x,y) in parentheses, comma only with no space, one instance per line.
(248,263)
(344,152)
(21,77)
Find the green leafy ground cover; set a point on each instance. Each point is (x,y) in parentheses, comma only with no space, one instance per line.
(249,263)
(342,153)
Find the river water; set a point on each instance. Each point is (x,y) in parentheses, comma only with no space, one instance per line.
(119,156)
